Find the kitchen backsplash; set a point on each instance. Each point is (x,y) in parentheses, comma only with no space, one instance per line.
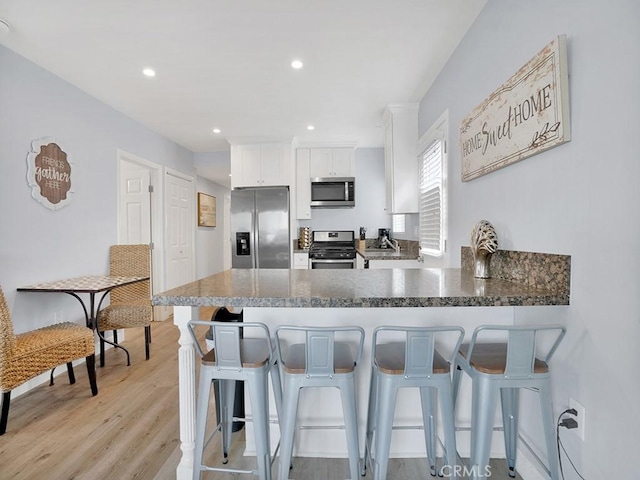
(407,246)
(540,270)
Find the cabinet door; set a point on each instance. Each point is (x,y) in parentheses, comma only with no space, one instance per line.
(388,167)
(303,185)
(321,162)
(300,261)
(401,164)
(245,166)
(272,171)
(343,162)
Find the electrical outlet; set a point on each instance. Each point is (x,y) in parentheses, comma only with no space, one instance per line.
(580,418)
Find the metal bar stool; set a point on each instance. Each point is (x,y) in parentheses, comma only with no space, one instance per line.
(505,367)
(320,361)
(236,359)
(412,362)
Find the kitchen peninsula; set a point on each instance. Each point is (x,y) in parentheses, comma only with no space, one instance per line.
(346,297)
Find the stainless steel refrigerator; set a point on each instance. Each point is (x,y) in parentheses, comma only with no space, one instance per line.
(260,228)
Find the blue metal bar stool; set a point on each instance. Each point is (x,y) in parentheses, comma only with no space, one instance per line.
(320,361)
(236,359)
(504,367)
(412,362)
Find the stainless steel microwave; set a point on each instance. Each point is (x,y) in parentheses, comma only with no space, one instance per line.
(333,192)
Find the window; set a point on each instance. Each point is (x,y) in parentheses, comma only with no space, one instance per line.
(432,189)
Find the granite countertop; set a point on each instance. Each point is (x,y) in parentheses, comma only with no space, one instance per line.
(356,288)
(386,254)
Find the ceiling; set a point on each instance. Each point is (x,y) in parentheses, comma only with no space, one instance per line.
(227,63)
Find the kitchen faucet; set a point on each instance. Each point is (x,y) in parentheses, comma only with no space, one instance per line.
(393,244)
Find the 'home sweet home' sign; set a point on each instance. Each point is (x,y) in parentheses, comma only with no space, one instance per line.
(527,115)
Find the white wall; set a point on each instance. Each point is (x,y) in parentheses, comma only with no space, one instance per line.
(210,241)
(369,211)
(579,199)
(38,244)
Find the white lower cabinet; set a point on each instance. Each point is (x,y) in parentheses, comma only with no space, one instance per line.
(359,261)
(300,260)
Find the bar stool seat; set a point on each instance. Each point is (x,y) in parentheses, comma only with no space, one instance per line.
(236,359)
(319,361)
(415,363)
(504,367)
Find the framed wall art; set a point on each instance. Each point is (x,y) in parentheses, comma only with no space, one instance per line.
(206,210)
(526,115)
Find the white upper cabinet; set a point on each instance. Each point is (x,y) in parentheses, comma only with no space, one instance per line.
(261,165)
(400,158)
(332,162)
(303,184)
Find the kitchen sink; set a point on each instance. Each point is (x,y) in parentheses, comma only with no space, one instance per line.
(383,252)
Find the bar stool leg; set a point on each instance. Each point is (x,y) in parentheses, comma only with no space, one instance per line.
(204,393)
(277,390)
(448,422)
(509,398)
(548,421)
(258,396)
(371,422)
(227,398)
(385,410)
(287,428)
(348,394)
(483,409)
(455,381)
(429,401)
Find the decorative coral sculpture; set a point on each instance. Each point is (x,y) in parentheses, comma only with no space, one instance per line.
(484,243)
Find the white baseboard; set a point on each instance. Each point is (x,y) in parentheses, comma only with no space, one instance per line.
(528,466)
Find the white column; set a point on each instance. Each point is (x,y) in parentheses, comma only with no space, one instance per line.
(186,389)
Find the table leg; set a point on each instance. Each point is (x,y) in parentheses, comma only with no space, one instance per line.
(91,319)
(101,335)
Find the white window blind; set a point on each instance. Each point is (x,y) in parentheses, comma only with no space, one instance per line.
(431,198)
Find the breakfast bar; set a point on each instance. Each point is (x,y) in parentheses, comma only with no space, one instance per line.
(367,298)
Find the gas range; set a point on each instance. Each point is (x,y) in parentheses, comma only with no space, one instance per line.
(332,249)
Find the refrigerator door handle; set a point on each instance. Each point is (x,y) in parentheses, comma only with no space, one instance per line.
(255,234)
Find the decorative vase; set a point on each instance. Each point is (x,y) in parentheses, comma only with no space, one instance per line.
(484,243)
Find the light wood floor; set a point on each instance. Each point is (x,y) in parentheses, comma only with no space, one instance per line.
(130,429)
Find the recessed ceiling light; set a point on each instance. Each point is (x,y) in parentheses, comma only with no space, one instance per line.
(216,130)
(149,72)
(296,64)
(310,127)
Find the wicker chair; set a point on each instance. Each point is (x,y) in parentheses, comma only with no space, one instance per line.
(27,355)
(130,304)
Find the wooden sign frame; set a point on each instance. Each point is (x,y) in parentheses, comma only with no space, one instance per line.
(527,115)
(49,173)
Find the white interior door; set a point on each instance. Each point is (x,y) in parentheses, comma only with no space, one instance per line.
(140,214)
(134,210)
(180,221)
